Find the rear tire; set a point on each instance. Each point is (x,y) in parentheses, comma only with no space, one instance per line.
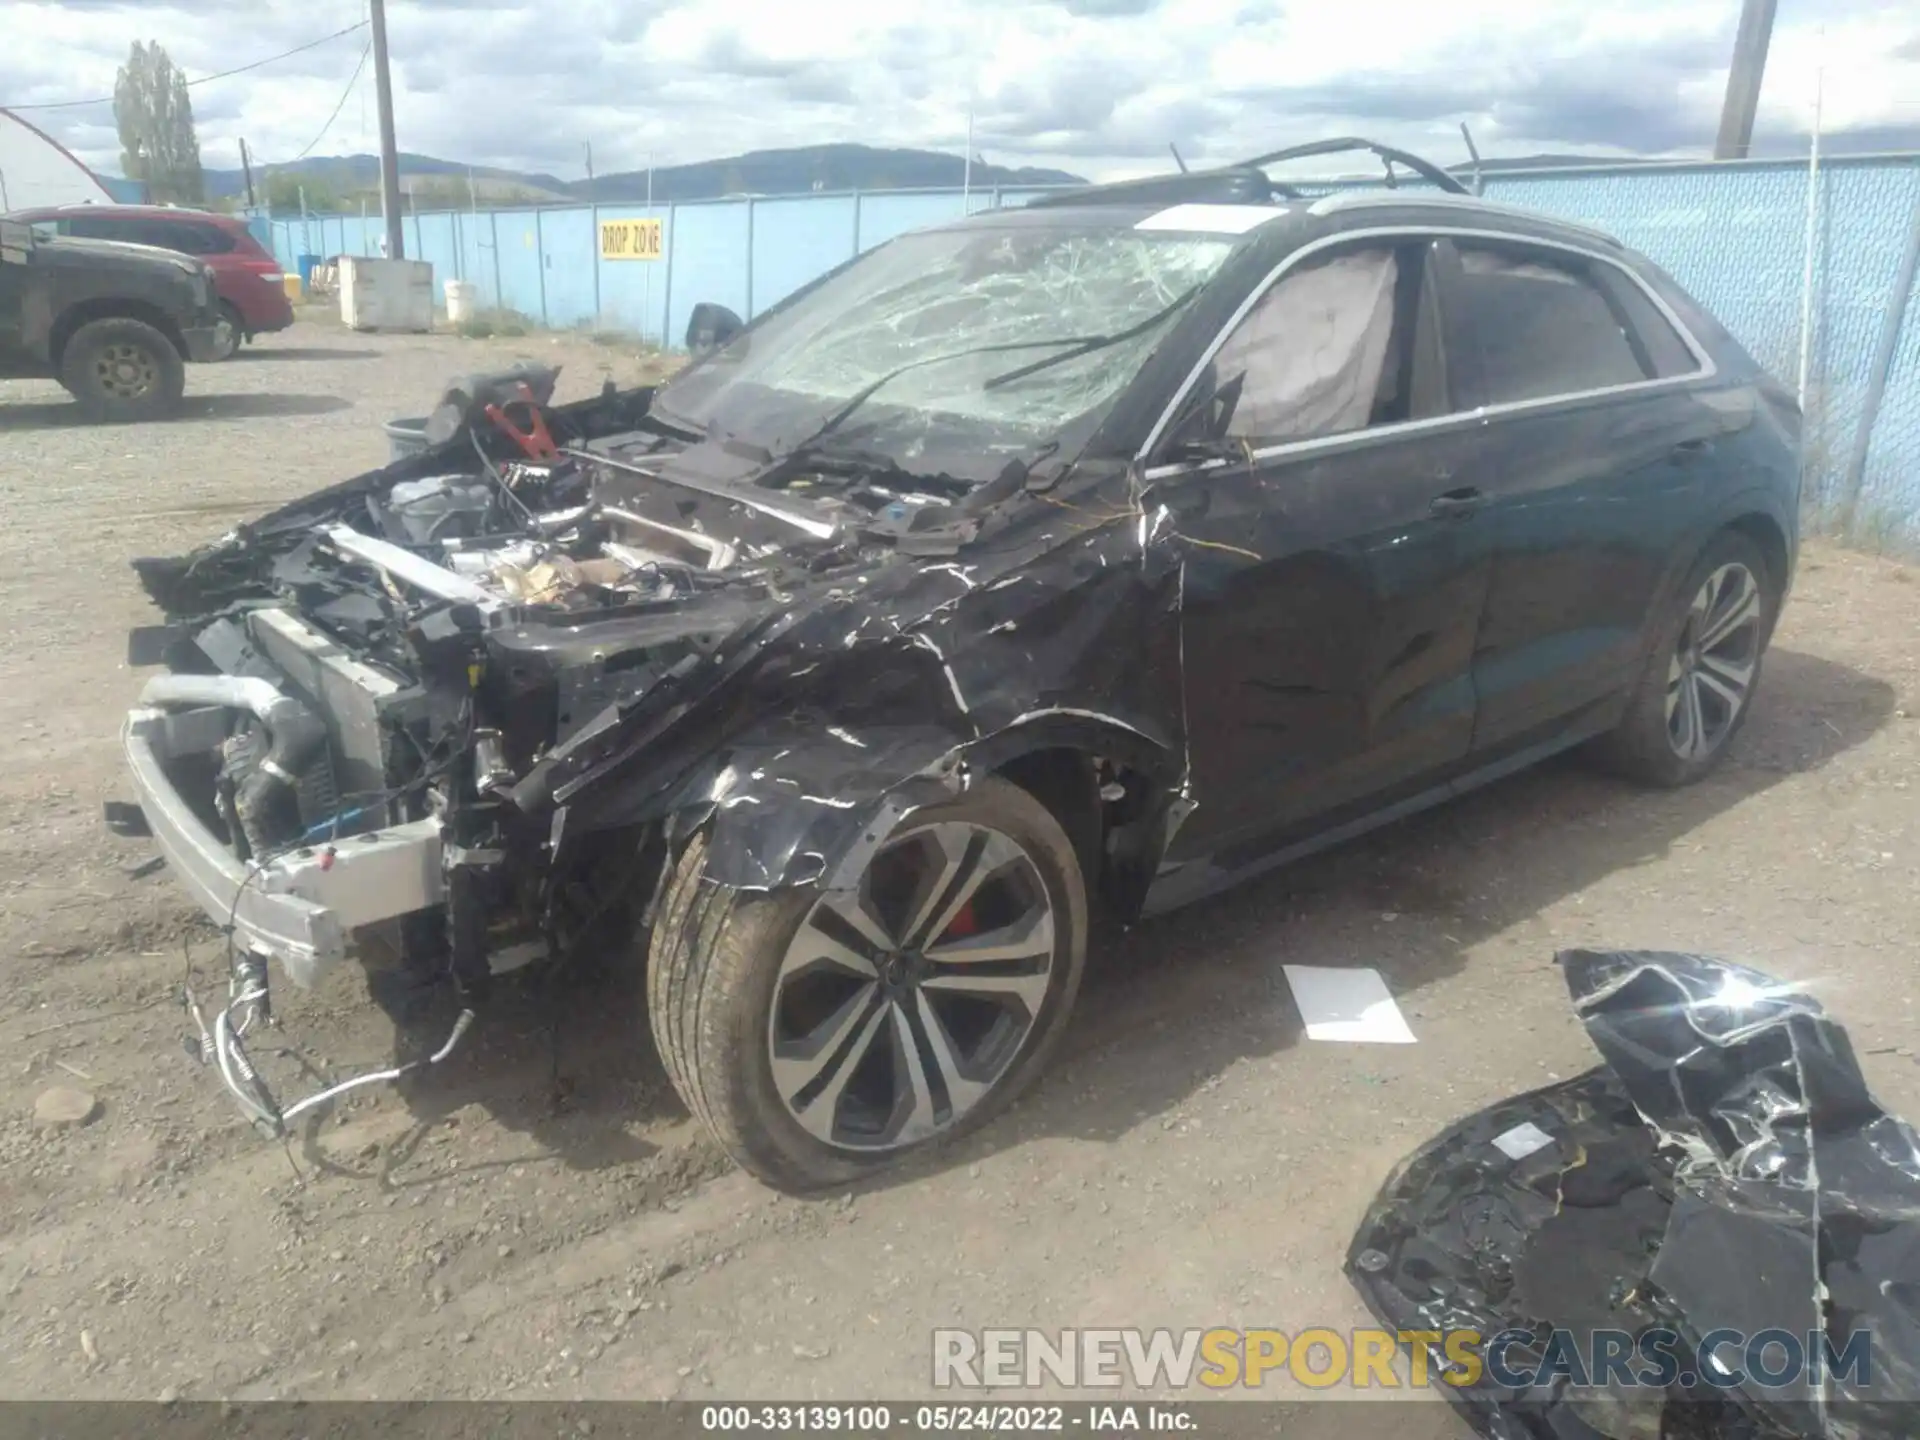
(1702,670)
(123,370)
(812,1070)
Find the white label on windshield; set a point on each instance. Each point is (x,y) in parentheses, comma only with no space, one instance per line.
(1214,219)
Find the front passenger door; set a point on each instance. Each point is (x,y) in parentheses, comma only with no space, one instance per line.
(1333,579)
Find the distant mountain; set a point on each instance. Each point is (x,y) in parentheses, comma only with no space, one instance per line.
(797,171)
(357,175)
(808,168)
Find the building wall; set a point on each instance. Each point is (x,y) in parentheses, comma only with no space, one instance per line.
(1734,235)
(36,170)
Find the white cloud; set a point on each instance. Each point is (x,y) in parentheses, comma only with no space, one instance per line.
(1099,86)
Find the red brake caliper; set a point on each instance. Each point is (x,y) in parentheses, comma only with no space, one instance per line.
(962,925)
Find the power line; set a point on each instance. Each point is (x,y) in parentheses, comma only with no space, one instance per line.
(204,79)
(351,81)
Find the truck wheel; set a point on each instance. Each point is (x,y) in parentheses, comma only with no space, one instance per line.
(228,333)
(1702,671)
(120,370)
(822,1036)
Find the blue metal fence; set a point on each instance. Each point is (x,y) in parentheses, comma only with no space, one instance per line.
(1733,234)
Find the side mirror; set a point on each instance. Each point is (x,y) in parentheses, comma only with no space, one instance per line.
(711,327)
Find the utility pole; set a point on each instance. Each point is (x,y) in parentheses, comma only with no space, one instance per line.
(589,145)
(966,169)
(246,169)
(389,152)
(1743,80)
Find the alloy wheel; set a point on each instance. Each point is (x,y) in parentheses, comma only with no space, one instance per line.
(899,1005)
(126,371)
(1710,673)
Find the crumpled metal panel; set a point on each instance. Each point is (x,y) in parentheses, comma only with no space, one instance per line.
(931,672)
(1725,1169)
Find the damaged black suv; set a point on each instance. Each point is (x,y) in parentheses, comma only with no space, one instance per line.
(1061,563)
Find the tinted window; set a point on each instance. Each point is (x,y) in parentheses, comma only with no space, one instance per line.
(1665,353)
(166,234)
(1543,327)
(191,237)
(97,227)
(1316,354)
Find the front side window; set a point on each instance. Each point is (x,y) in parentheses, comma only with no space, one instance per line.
(1544,328)
(1311,357)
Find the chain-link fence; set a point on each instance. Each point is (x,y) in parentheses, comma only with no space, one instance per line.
(1735,235)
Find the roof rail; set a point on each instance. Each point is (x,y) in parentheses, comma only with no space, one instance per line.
(1389,157)
(1374,199)
(1246,183)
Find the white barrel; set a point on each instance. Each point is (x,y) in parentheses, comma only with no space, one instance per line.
(460,295)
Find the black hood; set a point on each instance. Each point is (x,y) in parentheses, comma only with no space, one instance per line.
(113,254)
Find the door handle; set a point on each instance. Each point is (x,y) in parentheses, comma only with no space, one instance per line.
(1457,504)
(1689,450)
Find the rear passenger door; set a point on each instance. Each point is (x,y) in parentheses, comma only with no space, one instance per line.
(1594,471)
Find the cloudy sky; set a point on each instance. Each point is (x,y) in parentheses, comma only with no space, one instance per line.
(1096,86)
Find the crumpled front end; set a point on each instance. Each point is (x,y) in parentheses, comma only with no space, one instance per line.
(471,703)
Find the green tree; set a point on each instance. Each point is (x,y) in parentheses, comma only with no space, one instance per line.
(442,192)
(281,191)
(155,118)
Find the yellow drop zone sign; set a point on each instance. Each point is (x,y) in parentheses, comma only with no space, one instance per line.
(630,239)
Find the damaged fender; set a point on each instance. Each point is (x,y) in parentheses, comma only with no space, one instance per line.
(800,743)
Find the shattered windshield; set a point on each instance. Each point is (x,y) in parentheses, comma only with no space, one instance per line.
(994,340)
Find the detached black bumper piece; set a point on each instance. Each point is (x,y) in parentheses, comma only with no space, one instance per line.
(1715,1233)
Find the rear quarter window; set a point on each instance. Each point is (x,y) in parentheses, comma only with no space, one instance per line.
(209,239)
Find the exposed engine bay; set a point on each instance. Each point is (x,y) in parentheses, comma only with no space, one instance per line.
(461,702)
(357,684)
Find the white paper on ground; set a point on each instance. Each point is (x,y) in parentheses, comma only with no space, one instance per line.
(1522,1140)
(1349,1005)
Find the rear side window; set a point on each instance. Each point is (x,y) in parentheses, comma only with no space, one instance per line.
(1544,328)
(189,237)
(1666,354)
(202,238)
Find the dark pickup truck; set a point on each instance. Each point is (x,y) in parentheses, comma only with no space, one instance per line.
(113,323)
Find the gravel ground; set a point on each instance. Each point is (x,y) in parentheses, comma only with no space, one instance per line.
(1190,1160)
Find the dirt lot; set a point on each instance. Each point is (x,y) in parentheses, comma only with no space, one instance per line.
(1191,1160)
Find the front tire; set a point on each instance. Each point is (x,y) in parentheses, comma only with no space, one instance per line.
(123,370)
(1703,670)
(820,1036)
